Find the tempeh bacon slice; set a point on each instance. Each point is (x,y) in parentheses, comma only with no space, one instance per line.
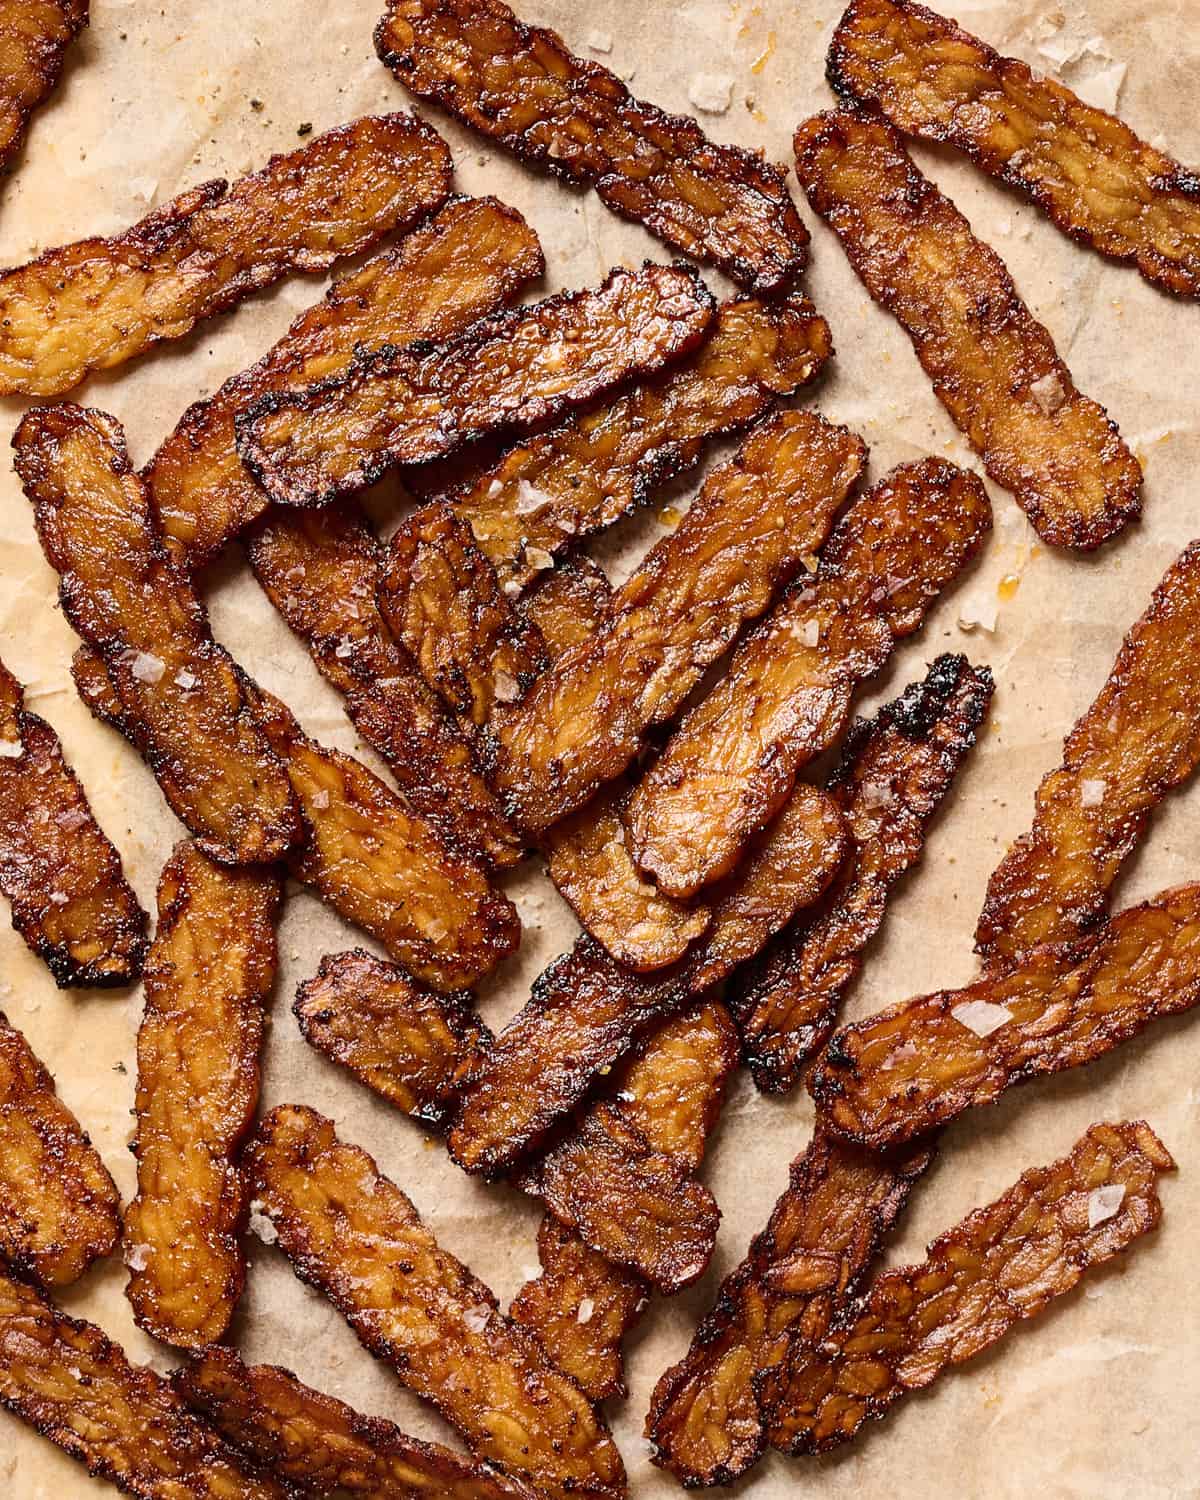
(208,980)
(519,369)
(917,1065)
(894,772)
(184,699)
(733,760)
(1000,1265)
(356,1237)
(1084,168)
(567,603)
(520,86)
(100,302)
(70,899)
(1138,740)
(994,367)
(34,38)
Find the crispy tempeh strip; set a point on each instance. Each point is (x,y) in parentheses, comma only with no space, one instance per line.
(520,86)
(993,365)
(567,603)
(100,302)
(1000,1265)
(209,977)
(59,1209)
(63,877)
(1087,171)
(75,1387)
(545,494)
(784,700)
(466,262)
(822,1237)
(894,772)
(518,369)
(354,1235)
(404,1042)
(919,1064)
(184,699)
(1138,740)
(324,1446)
(755,519)
(34,38)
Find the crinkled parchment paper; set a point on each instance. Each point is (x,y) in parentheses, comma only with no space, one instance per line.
(1097,1400)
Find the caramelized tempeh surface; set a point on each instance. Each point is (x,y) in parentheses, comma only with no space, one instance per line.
(518,369)
(1001,1264)
(894,772)
(355,1236)
(208,979)
(97,303)
(567,603)
(34,38)
(993,366)
(70,899)
(733,760)
(915,1066)
(520,86)
(1084,168)
(183,698)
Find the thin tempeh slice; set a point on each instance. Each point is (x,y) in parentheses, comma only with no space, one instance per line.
(76,1388)
(567,603)
(208,979)
(755,519)
(733,760)
(465,263)
(184,699)
(405,1043)
(545,494)
(894,772)
(1000,1265)
(324,1446)
(100,302)
(1087,171)
(993,365)
(355,1236)
(820,1241)
(919,1064)
(1138,740)
(516,370)
(520,86)
(34,38)
(70,899)
(59,1209)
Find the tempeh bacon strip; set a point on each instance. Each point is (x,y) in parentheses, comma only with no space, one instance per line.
(993,365)
(34,38)
(100,302)
(520,86)
(1084,168)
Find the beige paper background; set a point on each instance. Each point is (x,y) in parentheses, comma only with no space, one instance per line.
(1098,1400)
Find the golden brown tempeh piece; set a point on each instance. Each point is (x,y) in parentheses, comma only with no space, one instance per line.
(821,1239)
(322,1445)
(545,494)
(567,603)
(993,365)
(59,1209)
(70,899)
(34,38)
(1001,1264)
(402,1041)
(919,1064)
(520,86)
(355,1236)
(123,1422)
(182,696)
(100,302)
(1083,167)
(755,519)
(1138,740)
(894,772)
(733,760)
(518,369)
(209,977)
(466,262)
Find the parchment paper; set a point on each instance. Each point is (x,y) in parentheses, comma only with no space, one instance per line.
(1099,1398)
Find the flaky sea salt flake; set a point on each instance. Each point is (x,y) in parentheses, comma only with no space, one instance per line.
(1104,1203)
(711,92)
(1091,793)
(586,1308)
(981,1016)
